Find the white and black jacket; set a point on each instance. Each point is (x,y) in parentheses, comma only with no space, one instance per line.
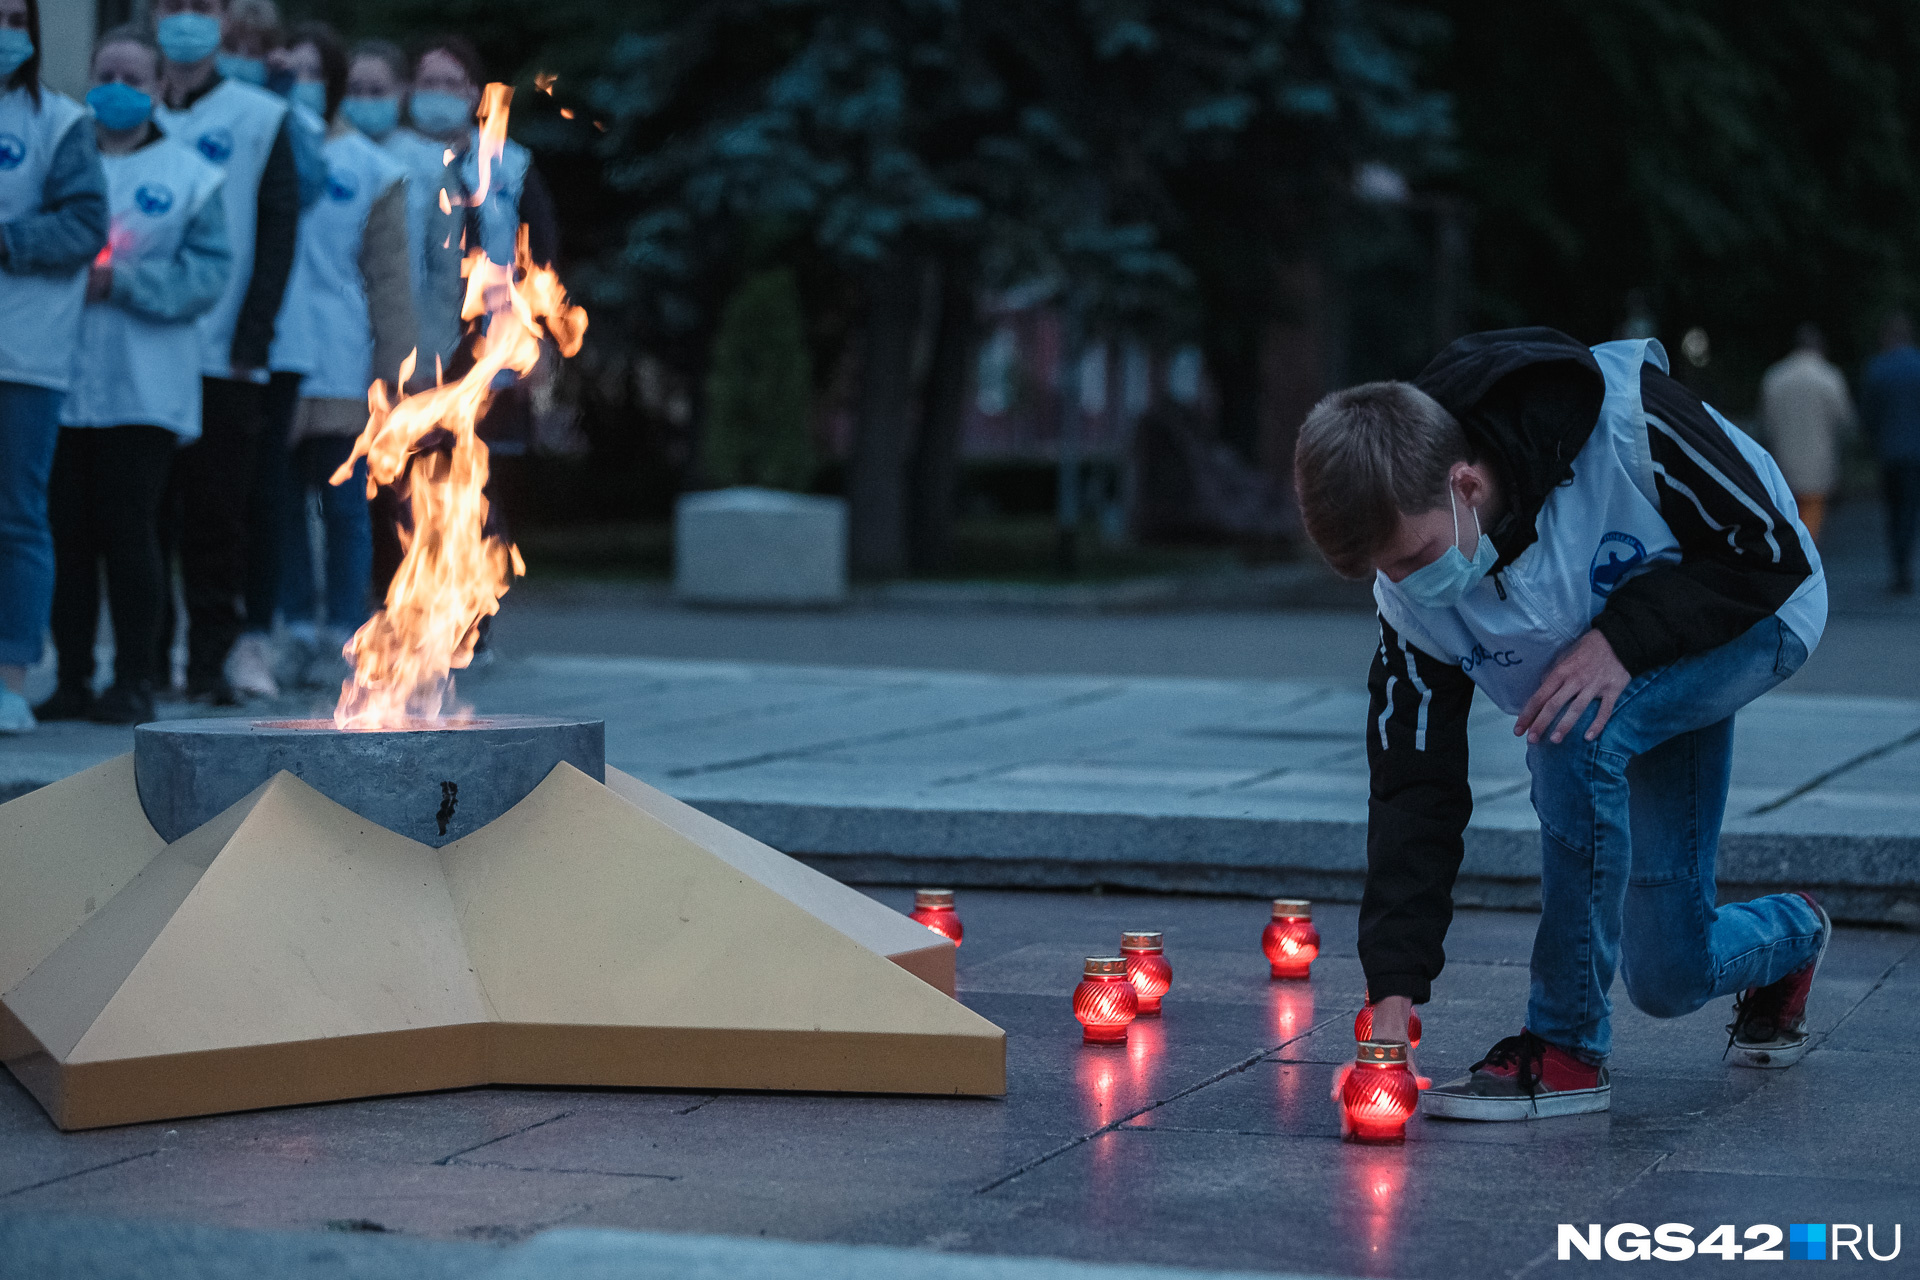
(1634,509)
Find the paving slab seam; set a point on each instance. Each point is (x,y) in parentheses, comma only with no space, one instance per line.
(536,1168)
(480,1146)
(79,1173)
(1244,1064)
(1025,712)
(1878,983)
(1821,779)
(1550,1255)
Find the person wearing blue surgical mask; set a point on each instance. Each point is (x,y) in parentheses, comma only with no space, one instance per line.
(53,220)
(135,390)
(376,77)
(244,130)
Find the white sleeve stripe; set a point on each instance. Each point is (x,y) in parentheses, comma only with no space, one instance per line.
(1386,712)
(1714,474)
(1678,486)
(1426,696)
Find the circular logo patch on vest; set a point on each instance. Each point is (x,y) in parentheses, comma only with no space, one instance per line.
(1618,555)
(216,145)
(342,186)
(152,199)
(12,151)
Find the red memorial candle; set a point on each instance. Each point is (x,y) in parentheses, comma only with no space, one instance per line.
(1290,941)
(1148,968)
(934,909)
(1378,1094)
(1105,1001)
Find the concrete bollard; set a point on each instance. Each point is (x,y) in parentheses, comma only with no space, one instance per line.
(759,547)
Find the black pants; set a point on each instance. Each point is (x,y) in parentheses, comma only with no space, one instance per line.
(1900,482)
(102,502)
(272,490)
(203,518)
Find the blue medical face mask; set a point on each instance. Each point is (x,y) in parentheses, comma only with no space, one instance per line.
(375,117)
(311,94)
(1445,583)
(119,107)
(16,46)
(188,37)
(245,70)
(440,113)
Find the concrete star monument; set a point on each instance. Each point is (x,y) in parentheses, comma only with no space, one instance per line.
(288,949)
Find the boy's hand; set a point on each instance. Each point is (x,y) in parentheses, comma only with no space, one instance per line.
(1584,673)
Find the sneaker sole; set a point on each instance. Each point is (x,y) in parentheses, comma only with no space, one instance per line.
(1776,1057)
(1768,1057)
(1454,1106)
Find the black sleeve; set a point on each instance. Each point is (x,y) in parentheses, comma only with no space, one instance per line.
(277,222)
(1740,555)
(543,222)
(1417,812)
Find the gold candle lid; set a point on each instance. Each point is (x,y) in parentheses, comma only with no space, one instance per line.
(1292,909)
(933,897)
(1142,940)
(1106,967)
(1378,1051)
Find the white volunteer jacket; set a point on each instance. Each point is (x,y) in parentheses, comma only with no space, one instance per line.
(42,312)
(233,125)
(127,368)
(1601,529)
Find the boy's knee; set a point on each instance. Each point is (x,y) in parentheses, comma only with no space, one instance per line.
(1665,990)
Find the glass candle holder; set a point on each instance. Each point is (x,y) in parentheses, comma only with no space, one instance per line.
(1105,1001)
(1147,966)
(1363,1026)
(1290,941)
(934,909)
(1379,1093)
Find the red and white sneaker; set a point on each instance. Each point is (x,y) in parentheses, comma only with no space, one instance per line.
(1769,1027)
(1522,1078)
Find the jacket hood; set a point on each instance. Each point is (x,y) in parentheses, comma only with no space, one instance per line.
(1527,400)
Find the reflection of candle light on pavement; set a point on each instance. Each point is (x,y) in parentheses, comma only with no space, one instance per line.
(1292,1010)
(1380,1176)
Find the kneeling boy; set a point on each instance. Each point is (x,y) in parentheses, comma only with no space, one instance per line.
(1622,570)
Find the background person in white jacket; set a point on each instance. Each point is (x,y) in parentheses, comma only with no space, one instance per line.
(135,387)
(53,219)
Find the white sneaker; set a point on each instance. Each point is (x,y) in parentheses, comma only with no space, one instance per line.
(16,716)
(249,667)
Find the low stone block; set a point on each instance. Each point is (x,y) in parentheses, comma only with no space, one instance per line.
(760,547)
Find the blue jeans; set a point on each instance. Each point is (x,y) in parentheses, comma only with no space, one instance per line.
(349,531)
(1629,827)
(29,430)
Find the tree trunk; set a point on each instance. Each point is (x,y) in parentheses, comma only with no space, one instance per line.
(936,459)
(883,439)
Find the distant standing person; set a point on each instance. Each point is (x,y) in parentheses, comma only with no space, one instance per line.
(348,320)
(1804,410)
(53,220)
(1890,411)
(136,385)
(243,129)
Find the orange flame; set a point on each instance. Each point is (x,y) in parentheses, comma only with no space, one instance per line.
(452,574)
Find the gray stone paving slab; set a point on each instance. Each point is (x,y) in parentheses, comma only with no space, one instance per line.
(1209,1140)
(1244,786)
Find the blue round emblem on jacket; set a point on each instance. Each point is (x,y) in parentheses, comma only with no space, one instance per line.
(341,185)
(216,145)
(152,199)
(1618,555)
(12,151)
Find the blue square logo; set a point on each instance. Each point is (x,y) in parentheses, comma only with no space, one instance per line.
(1806,1241)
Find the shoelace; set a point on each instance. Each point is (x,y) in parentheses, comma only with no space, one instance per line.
(1525,1051)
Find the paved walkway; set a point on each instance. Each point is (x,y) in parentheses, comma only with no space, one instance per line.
(891,776)
(1209,1140)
